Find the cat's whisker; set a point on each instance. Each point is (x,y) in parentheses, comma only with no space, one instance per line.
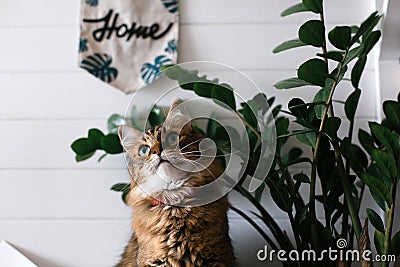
(194,164)
(198,140)
(197,151)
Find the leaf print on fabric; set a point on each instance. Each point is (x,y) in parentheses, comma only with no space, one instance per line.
(150,72)
(171,5)
(83,45)
(92,2)
(100,66)
(172,47)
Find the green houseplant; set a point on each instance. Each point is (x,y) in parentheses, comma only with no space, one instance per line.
(343,169)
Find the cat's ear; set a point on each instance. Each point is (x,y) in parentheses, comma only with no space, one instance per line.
(128,136)
(178,117)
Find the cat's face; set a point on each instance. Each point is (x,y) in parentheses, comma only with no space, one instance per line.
(165,162)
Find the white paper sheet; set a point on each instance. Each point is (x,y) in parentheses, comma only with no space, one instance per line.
(10,257)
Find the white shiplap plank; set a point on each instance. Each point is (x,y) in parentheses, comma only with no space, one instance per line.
(46,145)
(98,243)
(62,243)
(63,12)
(86,194)
(68,194)
(80,96)
(55,48)
(80,194)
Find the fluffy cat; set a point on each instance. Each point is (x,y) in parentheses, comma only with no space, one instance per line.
(166,233)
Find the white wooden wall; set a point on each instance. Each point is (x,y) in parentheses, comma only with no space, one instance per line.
(60,213)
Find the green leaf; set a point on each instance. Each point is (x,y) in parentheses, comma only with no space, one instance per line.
(308,138)
(340,37)
(358,70)
(94,137)
(313,5)
(352,54)
(114,121)
(375,220)
(120,187)
(224,93)
(125,194)
(392,113)
(290,83)
(379,241)
(298,107)
(395,245)
(171,71)
(385,162)
(203,89)
(111,144)
(312,32)
(288,45)
(212,127)
(322,96)
(377,188)
(366,140)
(331,126)
(82,146)
(334,55)
(301,177)
(370,41)
(79,158)
(249,115)
(351,104)
(366,26)
(156,116)
(294,153)
(314,71)
(297,8)
(386,137)
(354,154)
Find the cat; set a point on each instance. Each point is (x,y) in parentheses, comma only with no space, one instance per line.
(166,233)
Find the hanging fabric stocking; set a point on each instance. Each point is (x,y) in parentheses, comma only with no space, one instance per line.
(125,43)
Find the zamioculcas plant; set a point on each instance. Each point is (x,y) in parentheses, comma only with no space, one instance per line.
(341,168)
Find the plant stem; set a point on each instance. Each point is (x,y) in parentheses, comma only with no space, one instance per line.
(345,220)
(298,202)
(314,231)
(255,225)
(388,233)
(249,126)
(347,192)
(269,221)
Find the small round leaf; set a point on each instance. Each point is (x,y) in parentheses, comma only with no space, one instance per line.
(314,71)
(340,37)
(313,33)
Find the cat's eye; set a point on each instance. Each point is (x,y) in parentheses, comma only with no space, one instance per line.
(172,138)
(144,150)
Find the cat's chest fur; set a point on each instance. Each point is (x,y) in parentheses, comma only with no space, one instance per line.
(188,236)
